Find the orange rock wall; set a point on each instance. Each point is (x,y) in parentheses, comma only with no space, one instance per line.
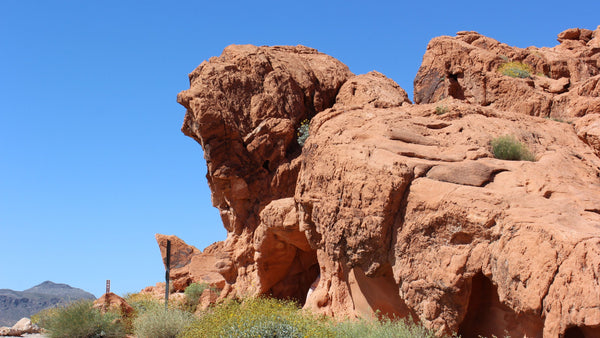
(402,208)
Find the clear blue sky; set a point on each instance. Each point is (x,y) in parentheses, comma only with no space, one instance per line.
(92,160)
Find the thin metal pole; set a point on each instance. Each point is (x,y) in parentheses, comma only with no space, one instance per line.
(167,274)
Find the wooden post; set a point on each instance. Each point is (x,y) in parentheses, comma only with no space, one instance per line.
(106,300)
(167,274)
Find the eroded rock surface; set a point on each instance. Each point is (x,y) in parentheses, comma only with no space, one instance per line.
(402,208)
(189,265)
(563,82)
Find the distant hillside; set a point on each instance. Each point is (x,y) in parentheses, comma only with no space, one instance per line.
(15,305)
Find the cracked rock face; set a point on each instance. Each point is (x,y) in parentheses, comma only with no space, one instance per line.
(401,208)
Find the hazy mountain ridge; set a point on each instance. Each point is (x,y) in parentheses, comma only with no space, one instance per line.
(15,305)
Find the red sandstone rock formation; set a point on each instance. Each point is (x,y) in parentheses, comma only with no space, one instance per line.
(189,264)
(402,208)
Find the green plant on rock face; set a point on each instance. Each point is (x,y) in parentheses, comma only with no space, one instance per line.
(509,148)
(161,323)
(440,110)
(516,69)
(303,132)
(80,319)
(194,291)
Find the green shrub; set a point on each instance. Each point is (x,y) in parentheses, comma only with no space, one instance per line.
(516,69)
(194,291)
(192,295)
(161,323)
(509,148)
(266,329)
(141,302)
(81,320)
(258,317)
(41,318)
(440,110)
(384,328)
(303,132)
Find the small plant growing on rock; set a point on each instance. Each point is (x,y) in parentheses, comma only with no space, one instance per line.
(509,148)
(556,119)
(441,110)
(194,291)
(303,132)
(516,69)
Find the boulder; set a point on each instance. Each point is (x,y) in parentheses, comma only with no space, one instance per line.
(22,327)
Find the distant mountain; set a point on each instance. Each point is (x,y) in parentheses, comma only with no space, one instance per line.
(15,305)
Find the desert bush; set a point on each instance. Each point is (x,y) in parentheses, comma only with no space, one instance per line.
(141,302)
(258,317)
(303,132)
(194,291)
(161,323)
(267,328)
(81,320)
(192,295)
(440,110)
(384,328)
(509,148)
(515,69)
(41,318)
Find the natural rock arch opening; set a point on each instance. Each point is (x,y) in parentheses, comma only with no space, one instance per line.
(303,271)
(486,316)
(455,90)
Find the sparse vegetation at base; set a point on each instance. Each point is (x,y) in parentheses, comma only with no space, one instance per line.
(509,148)
(161,323)
(141,302)
(251,317)
(265,317)
(516,69)
(193,293)
(258,317)
(80,319)
(385,328)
